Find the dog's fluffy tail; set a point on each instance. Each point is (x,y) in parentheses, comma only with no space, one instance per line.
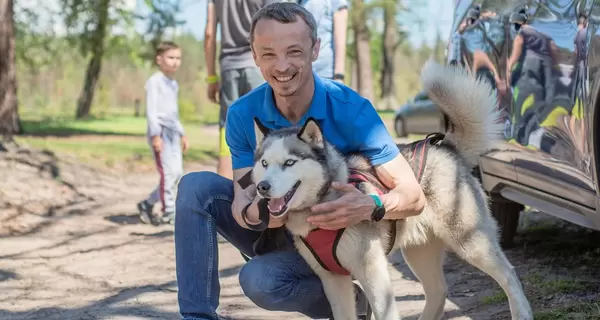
(470,104)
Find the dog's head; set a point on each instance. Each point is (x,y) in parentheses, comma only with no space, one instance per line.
(290,166)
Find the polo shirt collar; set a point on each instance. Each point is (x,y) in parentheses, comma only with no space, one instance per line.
(316,110)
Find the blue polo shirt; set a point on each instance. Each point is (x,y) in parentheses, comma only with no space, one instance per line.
(348,121)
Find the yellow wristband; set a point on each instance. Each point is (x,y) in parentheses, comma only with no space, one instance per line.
(212,79)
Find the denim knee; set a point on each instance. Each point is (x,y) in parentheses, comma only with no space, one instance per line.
(261,288)
(197,188)
(274,282)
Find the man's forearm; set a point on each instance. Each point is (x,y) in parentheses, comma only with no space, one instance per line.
(210,52)
(406,198)
(210,40)
(340,23)
(403,202)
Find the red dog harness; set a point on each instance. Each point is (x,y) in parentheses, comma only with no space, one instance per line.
(323,243)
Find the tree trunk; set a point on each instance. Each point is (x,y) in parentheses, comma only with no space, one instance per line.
(92,74)
(9,113)
(389,45)
(363,51)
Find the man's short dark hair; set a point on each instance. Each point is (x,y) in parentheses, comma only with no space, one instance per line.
(285,12)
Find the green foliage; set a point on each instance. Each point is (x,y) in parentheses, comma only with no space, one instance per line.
(51,72)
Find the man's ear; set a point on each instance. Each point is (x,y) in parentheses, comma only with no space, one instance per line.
(260,130)
(316,49)
(311,133)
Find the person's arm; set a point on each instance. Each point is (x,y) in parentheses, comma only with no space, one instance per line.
(152,104)
(340,25)
(210,39)
(517,49)
(406,198)
(242,160)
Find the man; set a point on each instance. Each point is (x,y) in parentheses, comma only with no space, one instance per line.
(284,46)
(332,22)
(239,74)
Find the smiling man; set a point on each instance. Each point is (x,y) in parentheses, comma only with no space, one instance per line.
(284,46)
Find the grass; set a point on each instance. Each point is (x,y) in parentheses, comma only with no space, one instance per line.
(579,311)
(121,126)
(495,298)
(112,142)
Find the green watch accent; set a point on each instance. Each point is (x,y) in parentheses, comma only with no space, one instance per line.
(379,210)
(376,199)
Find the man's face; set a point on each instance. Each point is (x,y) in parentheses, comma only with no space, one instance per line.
(284,53)
(169,61)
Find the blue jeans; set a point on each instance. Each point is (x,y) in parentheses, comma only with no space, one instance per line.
(280,280)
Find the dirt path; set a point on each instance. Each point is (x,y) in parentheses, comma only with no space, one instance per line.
(90,258)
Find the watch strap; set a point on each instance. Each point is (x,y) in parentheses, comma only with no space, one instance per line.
(378,208)
(377,200)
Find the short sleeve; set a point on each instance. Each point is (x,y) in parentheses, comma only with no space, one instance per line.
(242,153)
(338,5)
(372,138)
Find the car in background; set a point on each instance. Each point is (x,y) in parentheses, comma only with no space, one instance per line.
(418,116)
(543,60)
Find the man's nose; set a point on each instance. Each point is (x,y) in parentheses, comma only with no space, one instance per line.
(282,64)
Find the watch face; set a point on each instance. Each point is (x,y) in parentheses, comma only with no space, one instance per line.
(379,213)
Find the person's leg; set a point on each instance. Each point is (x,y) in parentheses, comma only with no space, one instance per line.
(171,162)
(283,281)
(228,94)
(146,206)
(203,206)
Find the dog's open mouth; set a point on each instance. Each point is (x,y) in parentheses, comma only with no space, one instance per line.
(279,206)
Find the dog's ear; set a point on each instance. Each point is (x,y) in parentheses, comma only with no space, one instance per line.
(260,130)
(311,133)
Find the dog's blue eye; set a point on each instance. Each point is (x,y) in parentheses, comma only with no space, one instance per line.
(289,163)
(264,163)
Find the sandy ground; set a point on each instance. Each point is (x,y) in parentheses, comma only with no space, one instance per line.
(75,249)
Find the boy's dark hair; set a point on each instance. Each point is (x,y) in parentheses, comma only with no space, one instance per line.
(165,46)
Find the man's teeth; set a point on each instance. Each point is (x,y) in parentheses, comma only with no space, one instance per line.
(284,79)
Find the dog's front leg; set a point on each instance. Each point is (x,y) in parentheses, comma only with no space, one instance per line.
(339,289)
(371,271)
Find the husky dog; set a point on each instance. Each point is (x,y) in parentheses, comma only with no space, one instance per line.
(295,166)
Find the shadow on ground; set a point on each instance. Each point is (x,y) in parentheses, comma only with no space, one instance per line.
(102,309)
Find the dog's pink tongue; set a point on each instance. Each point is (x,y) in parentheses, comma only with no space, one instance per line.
(276,204)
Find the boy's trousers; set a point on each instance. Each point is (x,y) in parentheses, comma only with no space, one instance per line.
(169,163)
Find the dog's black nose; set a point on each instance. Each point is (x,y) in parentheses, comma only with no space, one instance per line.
(263,187)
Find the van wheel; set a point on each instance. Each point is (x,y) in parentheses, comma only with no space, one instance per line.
(506,213)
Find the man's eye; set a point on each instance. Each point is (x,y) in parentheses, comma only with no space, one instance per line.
(289,163)
(264,163)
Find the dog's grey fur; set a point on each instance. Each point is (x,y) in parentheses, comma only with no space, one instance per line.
(456,215)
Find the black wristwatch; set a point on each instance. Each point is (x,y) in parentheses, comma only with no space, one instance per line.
(379,211)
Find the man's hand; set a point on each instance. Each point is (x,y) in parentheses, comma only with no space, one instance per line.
(157,143)
(213,92)
(185,144)
(353,207)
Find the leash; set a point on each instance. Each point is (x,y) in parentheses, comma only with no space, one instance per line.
(263,210)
